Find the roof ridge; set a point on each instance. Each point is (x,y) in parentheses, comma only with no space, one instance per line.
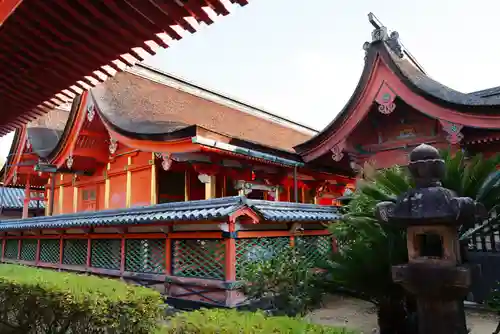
(251,109)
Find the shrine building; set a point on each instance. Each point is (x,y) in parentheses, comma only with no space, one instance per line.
(153,179)
(397,106)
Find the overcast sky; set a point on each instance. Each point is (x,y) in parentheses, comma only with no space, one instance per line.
(302,59)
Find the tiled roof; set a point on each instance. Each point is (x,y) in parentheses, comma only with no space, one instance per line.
(12,198)
(142,106)
(213,209)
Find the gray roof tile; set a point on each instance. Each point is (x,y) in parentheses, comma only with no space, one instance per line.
(213,209)
(12,198)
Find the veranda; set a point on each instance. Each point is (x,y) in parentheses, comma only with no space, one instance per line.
(192,251)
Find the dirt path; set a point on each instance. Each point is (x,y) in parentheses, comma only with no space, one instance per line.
(360,315)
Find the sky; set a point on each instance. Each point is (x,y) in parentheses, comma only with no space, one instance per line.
(302,59)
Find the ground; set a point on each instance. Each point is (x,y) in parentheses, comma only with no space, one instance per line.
(360,315)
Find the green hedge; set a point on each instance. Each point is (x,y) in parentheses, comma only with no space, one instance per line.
(231,321)
(36,300)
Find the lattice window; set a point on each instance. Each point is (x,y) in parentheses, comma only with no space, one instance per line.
(145,255)
(203,258)
(49,250)
(28,249)
(75,252)
(11,249)
(106,254)
(315,248)
(258,249)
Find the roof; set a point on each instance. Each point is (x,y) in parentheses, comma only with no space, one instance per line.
(203,210)
(144,101)
(93,40)
(386,48)
(13,198)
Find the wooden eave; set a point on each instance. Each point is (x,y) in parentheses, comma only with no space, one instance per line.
(83,43)
(380,72)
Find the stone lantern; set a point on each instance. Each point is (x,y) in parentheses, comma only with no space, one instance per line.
(432,215)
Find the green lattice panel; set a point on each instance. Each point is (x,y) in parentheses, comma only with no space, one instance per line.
(253,250)
(145,255)
(49,250)
(28,249)
(106,254)
(11,249)
(315,248)
(75,252)
(202,258)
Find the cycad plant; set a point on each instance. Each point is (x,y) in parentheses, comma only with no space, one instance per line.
(368,250)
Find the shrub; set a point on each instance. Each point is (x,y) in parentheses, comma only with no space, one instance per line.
(231,321)
(284,283)
(35,300)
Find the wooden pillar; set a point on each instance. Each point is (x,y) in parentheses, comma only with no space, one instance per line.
(75,199)
(168,256)
(61,197)
(37,256)
(187,185)
(89,251)
(230,247)
(61,250)
(47,202)
(277,194)
(122,255)
(4,241)
(128,196)
(19,245)
(107,188)
(27,197)
(230,262)
(154,182)
(210,188)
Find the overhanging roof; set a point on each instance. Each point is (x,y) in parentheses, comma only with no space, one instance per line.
(51,51)
(204,210)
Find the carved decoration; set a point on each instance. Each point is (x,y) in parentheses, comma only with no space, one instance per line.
(113,146)
(338,151)
(90,112)
(69,162)
(379,34)
(453,131)
(14,177)
(385,99)
(166,162)
(28,144)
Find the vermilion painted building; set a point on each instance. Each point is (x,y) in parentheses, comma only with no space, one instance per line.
(151,178)
(397,106)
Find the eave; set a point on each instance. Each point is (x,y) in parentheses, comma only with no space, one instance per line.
(83,43)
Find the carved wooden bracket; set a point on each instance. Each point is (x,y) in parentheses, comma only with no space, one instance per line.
(113,146)
(90,112)
(385,99)
(453,131)
(338,151)
(70,161)
(166,160)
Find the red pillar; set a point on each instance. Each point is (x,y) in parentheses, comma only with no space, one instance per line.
(27,197)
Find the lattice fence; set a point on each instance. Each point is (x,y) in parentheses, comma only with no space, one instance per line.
(106,254)
(11,249)
(257,249)
(314,248)
(28,249)
(202,258)
(49,250)
(145,255)
(75,252)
